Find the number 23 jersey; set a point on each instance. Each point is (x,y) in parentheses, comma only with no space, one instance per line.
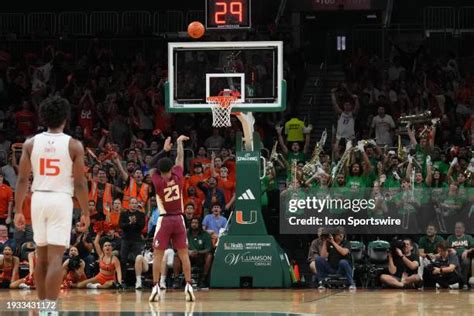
(52,164)
(169,191)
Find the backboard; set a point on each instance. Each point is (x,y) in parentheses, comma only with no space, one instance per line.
(197,70)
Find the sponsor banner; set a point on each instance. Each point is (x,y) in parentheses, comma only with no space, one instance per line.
(375,210)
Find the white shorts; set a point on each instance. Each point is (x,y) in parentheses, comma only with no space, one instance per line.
(51,218)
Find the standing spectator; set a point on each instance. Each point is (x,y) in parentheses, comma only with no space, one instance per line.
(114,215)
(4,145)
(294,129)
(227,186)
(215,141)
(101,192)
(6,202)
(132,222)
(189,214)
(464,246)
(213,195)
(135,188)
(9,171)
(383,125)
(26,120)
(22,236)
(346,121)
(314,252)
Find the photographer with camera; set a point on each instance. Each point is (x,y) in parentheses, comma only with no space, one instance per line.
(334,257)
(73,269)
(445,270)
(402,265)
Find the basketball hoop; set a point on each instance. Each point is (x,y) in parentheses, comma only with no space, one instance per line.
(221,107)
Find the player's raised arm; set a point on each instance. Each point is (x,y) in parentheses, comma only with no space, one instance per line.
(80,182)
(22,183)
(180,150)
(166,148)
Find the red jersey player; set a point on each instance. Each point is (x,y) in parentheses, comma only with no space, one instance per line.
(169,181)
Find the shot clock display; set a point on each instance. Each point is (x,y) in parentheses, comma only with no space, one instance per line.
(227,14)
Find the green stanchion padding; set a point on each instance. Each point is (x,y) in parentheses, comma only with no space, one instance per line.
(247,255)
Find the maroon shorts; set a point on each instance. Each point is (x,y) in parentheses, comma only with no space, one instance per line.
(170,227)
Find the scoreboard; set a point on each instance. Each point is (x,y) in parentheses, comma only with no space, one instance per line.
(228,14)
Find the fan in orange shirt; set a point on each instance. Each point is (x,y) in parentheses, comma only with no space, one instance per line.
(227,185)
(201,157)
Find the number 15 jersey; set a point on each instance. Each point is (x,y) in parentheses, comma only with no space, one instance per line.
(169,191)
(52,164)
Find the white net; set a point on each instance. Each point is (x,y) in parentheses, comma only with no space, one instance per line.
(221,107)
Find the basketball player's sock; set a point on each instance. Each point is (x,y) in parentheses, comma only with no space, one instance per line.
(93,285)
(138,283)
(163,281)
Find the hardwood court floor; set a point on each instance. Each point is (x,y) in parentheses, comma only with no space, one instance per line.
(258,301)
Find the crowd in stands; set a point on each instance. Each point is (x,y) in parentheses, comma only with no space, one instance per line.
(118,113)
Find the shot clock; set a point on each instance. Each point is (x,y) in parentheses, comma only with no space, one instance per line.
(228,14)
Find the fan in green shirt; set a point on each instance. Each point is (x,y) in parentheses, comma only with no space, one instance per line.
(427,244)
(460,241)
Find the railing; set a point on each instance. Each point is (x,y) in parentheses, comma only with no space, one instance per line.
(439,19)
(466,19)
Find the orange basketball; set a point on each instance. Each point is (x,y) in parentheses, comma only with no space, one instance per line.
(196,29)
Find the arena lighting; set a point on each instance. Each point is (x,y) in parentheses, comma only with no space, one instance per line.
(372,16)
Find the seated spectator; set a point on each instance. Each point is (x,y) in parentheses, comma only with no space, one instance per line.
(83,242)
(464,246)
(4,241)
(334,257)
(402,267)
(213,223)
(9,265)
(27,282)
(212,194)
(195,197)
(200,247)
(153,220)
(108,266)
(445,271)
(132,222)
(142,264)
(427,244)
(189,214)
(73,269)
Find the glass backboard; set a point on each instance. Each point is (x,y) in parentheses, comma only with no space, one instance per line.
(197,70)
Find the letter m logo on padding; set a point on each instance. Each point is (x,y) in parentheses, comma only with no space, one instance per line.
(239,217)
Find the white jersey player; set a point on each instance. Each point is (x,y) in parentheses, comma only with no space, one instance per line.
(57,163)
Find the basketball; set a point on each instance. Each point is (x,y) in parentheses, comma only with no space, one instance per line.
(196,29)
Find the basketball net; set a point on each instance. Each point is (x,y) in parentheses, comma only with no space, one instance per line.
(221,107)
